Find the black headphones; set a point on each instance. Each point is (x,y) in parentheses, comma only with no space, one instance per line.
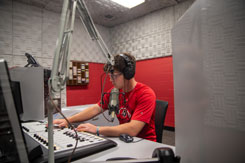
(129,70)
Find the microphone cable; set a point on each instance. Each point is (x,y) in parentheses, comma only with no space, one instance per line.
(102,94)
(69,125)
(102,86)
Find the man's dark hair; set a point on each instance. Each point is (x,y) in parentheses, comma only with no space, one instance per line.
(124,62)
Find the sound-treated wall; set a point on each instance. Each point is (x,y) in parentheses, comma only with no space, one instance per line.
(90,94)
(156,73)
(26,28)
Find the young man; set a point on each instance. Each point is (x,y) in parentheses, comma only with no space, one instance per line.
(136,107)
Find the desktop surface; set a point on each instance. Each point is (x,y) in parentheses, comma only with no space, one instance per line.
(139,150)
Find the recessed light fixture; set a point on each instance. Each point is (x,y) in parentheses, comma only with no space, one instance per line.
(129,3)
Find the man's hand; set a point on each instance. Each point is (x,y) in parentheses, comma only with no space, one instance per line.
(61,122)
(87,127)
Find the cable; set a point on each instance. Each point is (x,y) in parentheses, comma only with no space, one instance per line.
(137,140)
(105,116)
(101,76)
(102,94)
(69,125)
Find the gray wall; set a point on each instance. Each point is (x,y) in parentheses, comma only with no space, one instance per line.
(148,36)
(25,28)
(209,82)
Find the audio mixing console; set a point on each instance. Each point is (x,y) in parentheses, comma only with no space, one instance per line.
(64,141)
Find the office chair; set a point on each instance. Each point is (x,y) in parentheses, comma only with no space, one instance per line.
(160,114)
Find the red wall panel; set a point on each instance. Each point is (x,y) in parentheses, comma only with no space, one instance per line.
(156,73)
(90,94)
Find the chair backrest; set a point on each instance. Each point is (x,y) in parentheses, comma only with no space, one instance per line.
(160,113)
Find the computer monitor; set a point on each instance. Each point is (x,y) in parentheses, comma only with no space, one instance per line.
(34,91)
(12,144)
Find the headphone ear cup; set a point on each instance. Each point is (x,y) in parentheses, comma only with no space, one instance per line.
(129,71)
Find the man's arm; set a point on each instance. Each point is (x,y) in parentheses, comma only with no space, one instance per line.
(132,128)
(86,114)
(82,116)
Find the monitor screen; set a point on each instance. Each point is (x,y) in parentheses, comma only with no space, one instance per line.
(12,144)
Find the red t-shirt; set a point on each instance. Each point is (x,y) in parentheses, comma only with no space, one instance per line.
(138,104)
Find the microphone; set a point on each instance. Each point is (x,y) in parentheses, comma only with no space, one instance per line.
(113,103)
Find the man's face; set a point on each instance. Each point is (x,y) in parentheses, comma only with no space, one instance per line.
(117,79)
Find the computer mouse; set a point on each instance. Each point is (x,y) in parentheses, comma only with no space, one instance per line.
(126,138)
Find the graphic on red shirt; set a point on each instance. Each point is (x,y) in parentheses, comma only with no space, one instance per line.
(124,115)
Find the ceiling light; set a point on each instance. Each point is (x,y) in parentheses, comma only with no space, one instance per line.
(129,3)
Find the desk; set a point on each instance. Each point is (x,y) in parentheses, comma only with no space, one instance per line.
(140,150)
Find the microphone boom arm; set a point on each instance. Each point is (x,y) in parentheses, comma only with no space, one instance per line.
(60,67)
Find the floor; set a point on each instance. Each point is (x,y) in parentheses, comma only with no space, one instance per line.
(168,137)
